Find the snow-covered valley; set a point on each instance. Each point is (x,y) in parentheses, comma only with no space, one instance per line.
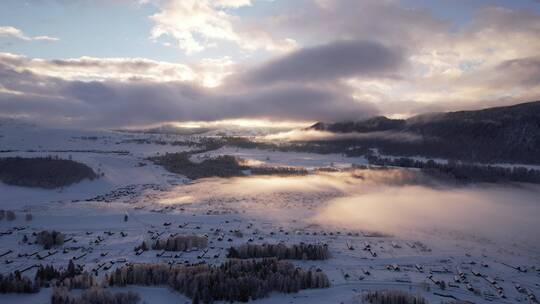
(385,229)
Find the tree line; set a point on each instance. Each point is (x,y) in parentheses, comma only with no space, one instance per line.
(234,280)
(180,243)
(71,278)
(462,171)
(282,171)
(392,297)
(16,283)
(221,166)
(8,215)
(43,172)
(94,295)
(281,251)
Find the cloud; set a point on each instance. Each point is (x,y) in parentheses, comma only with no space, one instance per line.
(232,3)
(295,102)
(135,102)
(200,24)
(45,38)
(12,32)
(385,21)
(524,72)
(339,60)
(483,63)
(448,66)
(332,61)
(9,31)
(208,72)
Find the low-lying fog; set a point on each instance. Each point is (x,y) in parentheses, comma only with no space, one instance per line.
(391,201)
(311,135)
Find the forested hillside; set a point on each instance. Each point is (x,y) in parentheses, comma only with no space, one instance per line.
(501,134)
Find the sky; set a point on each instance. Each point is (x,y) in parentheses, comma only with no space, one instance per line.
(125,63)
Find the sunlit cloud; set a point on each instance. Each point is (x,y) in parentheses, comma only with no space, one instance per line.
(232,3)
(136,102)
(200,24)
(12,32)
(448,67)
(208,72)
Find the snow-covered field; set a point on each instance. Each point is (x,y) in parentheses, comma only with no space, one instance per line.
(430,233)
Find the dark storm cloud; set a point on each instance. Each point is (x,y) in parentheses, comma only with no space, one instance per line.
(130,103)
(330,62)
(299,102)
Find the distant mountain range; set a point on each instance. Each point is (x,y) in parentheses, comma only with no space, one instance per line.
(500,134)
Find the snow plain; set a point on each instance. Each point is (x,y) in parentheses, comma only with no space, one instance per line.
(431,232)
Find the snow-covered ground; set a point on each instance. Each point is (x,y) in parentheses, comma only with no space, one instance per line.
(485,229)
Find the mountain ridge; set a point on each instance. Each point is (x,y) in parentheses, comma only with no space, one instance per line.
(498,134)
